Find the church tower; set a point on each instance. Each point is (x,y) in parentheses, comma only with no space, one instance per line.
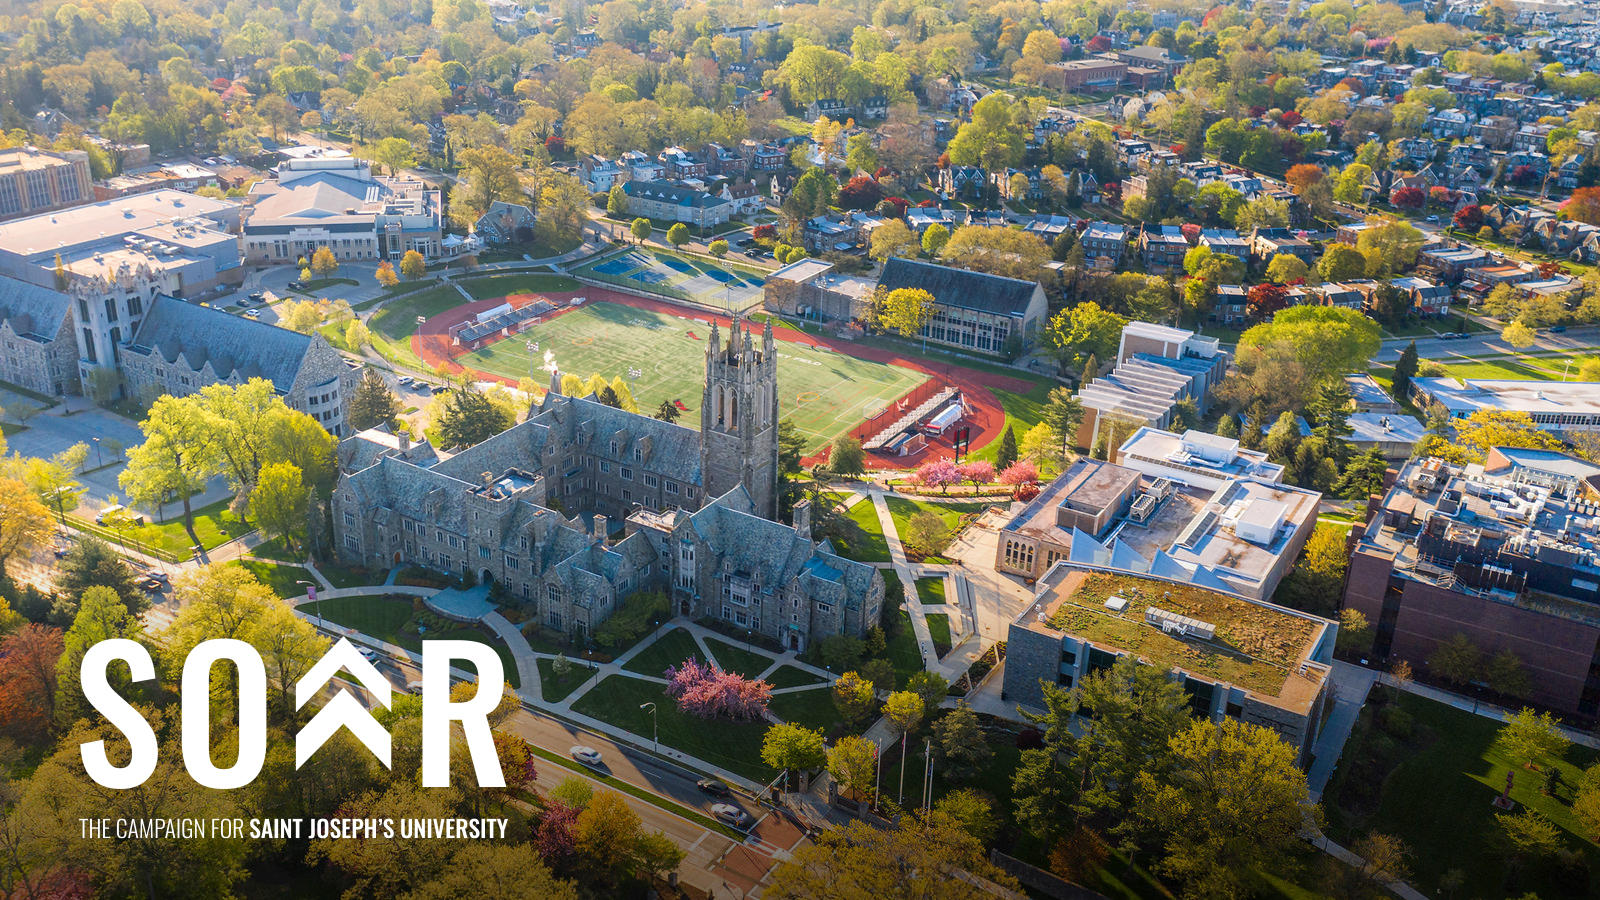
(739,416)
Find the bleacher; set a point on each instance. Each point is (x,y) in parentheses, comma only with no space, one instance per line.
(506,322)
(887,436)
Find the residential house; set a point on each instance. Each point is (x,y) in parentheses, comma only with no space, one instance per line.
(724,161)
(598,173)
(681,165)
(837,110)
(1163,248)
(1231,303)
(1104,243)
(963,182)
(1265,243)
(1225,240)
(1427,298)
(746,197)
(1035,180)
(764,157)
(669,202)
(639,166)
(1451,124)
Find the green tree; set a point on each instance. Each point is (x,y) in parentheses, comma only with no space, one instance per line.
(1457,660)
(175,458)
(992,138)
(641,229)
(467,417)
(812,194)
(859,155)
(678,234)
(788,746)
(1007,454)
(892,238)
(907,311)
(1506,674)
(1138,709)
(1517,335)
(1363,475)
(718,248)
(667,411)
(488,173)
(934,237)
(372,403)
(1405,369)
(102,615)
(1231,801)
(617,201)
(926,533)
(914,859)
(1389,247)
(960,743)
(1341,262)
(852,763)
(91,562)
(278,503)
(1063,412)
(847,457)
(854,697)
(1083,331)
(1041,792)
(1286,268)
(1528,737)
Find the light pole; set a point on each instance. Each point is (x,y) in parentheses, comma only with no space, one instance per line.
(311,597)
(655,733)
(99,460)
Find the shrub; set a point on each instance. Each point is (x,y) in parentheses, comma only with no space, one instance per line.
(632,620)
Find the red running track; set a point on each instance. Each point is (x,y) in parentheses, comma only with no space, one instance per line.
(431,343)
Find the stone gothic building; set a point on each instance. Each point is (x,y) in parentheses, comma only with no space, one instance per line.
(584,504)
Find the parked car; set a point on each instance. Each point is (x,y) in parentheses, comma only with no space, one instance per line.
(152,586)
(713,787)
(589,756)
(1557,329)
(403,379)
(297,285)
(258,297)
(728,814)
(157,574)
(114,510)
(252,314)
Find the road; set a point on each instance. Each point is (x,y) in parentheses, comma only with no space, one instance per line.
(1573,340)
(715,862)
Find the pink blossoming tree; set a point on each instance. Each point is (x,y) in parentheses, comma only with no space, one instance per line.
(977,472)
(705,691)
(939,473)
(1020,472)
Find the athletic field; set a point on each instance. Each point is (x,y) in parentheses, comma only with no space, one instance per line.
(823,392)
(723,286)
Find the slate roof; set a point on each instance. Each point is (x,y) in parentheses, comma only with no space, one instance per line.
(667,192)
(960,288)
(33,311)
(174,328)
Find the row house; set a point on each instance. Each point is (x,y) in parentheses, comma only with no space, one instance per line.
(1231,303)
(968,182)
(1345,296)
(1451,263)
(1413,153)
(598,173)
(1567,175)
(640,166)
(724,161)
(681,165)
(1495,131)
(920,218)
(1104,243)
(1451,124)
(764,157)
(1225,240)
(1265,243)
(1427,298)
(1163,248)
(1532,137)
(1534,160)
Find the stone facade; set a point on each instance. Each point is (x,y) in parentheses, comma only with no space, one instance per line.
(37,348)
(583,504)
(739,417)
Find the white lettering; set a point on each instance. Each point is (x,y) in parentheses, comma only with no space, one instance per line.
(119,712)
(438,711)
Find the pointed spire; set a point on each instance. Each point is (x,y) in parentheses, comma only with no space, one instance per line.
(713,343)
(555,382)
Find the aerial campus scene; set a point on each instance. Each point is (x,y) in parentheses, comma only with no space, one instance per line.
(928,450)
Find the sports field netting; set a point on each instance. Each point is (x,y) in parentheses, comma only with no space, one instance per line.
(823,392)
(721,285)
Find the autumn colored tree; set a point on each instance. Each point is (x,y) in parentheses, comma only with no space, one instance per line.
(1468,217)
(1583,205)
(386,275)
(1408,198)
(28,680)
(412,265)
(1265,299)
(860,192)
(1302,176)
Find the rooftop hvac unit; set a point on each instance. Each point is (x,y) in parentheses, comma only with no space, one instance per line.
(1117,604)
(1180,626)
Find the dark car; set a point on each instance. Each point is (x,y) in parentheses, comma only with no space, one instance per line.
(713,787)
(1557,329)
(297,285)
(257,297)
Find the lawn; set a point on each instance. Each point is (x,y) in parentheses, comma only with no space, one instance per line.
(213,526)
(1430,781)
(791,676)
(735,746)
(393,325)
(342,576)
(824,393)
(557,689)
(931,590)
(1023,411)
(490,286)
(738,659)
(901,509)
(903,653)
(1501,369)
(384,618)
(939,630)
(284,580)
(864,542)
(813,709)
(671,649)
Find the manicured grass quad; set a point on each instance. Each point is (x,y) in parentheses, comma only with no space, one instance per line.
(825,393)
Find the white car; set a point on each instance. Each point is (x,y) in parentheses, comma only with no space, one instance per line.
(370,655)
(403,379)
(728,814)
(589,756)
(252,314)
(414,687)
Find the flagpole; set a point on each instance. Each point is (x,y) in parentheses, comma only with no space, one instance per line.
(877,779)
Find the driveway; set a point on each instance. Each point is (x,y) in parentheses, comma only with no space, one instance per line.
(51,432)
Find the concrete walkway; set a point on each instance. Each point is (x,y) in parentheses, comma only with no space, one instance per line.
(1350,688)
(908,578)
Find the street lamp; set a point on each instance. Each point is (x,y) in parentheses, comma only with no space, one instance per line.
(311,597)
(99,460)
(655,733)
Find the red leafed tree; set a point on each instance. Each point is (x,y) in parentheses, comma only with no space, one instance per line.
(939,473)
(1523,175)
(764,232)
(1470,217)
(925,204)
(1257,112)
(1265,299)
(1290,118)
(1191,231)
(1583,205)
(1020,472)
(1408,198)
(860,192)
(555,143)
(944,160)
(900,204)
(710,693)
(1441,195)
(976,471)
(28,680)
(1303,176)
(1549,270)
(553,838)
(1098,44)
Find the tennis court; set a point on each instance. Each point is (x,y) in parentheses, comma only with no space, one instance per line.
(823,392)
(721,285)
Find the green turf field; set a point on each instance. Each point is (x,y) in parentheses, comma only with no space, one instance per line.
(724,285)
(825,393)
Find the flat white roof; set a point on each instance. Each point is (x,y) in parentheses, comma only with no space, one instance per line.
(1157,332)
(1472,394)
(93,222)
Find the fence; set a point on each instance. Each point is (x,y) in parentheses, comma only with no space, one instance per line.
(885,417)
